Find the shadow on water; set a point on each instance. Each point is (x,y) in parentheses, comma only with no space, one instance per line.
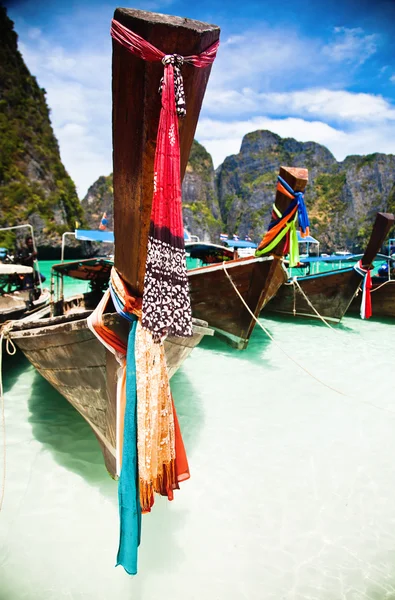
(13,367)
(259,343)
(303,321)
(62,430)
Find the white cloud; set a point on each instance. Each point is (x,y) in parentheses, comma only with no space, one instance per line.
(244,85)
(339,105)
(392,78)
(351,45)
(222,139)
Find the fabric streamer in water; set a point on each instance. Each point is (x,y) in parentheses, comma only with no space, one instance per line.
(162,461)
(150,451)
(166,302)
(128,488)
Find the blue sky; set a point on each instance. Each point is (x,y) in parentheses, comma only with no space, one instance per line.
(319,71)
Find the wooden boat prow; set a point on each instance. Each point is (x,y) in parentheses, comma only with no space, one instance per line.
(330,293)
(66,353)
(63,348)
(212,287)
(136,109)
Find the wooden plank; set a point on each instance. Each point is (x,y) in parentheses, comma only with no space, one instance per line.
(136,108)
(382,225)
(297,179)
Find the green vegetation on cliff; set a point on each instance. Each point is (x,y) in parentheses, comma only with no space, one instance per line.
(34,185)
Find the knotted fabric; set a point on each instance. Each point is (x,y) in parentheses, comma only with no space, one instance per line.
(366,301)
(150,452)
(166,303)
(284,224)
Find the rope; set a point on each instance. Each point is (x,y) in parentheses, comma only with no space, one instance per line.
(11,349)
(381,285)
(296,282)
(274,341)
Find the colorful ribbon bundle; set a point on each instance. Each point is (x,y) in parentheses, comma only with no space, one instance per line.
(366,301)
(150,453)
(285,224)
(166,302)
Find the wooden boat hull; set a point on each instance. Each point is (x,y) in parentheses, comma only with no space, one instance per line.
(78,366)
(330,293)
(382,296)
(215,300)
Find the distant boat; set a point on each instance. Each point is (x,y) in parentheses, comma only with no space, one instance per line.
(330,293)
(257,280)
(21,291)
(17,299)
(383,289)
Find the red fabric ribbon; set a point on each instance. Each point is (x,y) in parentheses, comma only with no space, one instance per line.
(166,303)
(366,301)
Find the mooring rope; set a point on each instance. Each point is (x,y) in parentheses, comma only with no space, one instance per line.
(296,282)
(10,349)
(381,285)
(275,342)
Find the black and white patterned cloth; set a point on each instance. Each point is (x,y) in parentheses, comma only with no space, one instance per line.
(177,61)
(166,303)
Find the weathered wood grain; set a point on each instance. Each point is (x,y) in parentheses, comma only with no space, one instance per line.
(79,367)
(214,299)
(136,108)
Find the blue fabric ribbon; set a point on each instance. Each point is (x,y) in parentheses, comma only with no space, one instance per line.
(119,307)
(303,217)
(128,488)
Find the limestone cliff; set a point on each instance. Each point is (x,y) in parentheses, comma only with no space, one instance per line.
(342,197)
(34,185)
(201,210)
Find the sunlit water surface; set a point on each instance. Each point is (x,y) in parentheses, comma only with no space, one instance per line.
(292,489)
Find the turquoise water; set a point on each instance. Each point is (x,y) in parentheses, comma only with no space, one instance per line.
(292,489)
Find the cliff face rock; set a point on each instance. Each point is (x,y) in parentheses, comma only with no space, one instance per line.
(201,211)
(34,185)
(342,197)
(98,200)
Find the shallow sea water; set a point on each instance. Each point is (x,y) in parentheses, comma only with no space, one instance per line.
(292,489)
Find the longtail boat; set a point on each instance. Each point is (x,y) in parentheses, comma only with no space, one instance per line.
(329,294)
(65,351)
(63,348)
(382,292)
(18,300)
(21,291)
(257,279)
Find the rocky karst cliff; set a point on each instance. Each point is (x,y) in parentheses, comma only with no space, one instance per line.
(34,185)
(99,200)
(342,197)
(201,211)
